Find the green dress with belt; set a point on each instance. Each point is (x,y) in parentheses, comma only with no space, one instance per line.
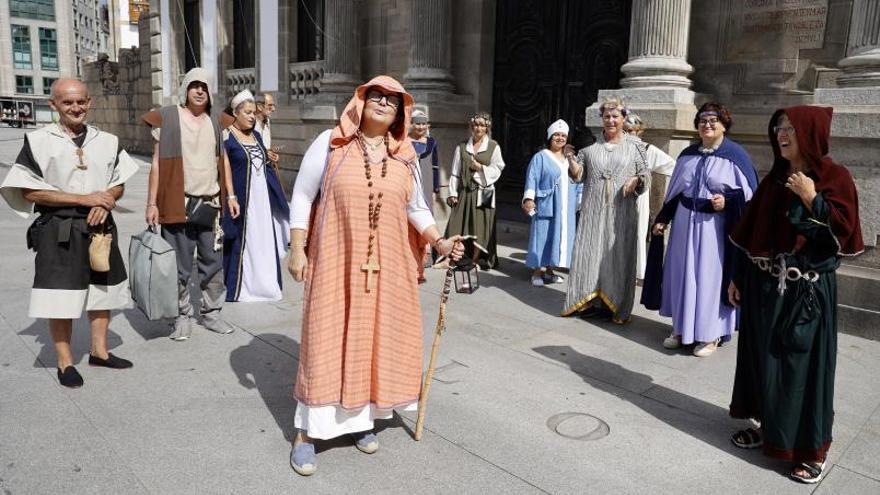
(788,340)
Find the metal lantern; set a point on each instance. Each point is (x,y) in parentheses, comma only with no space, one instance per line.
(466,275)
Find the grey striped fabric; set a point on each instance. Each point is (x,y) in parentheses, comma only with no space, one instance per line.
(605,250)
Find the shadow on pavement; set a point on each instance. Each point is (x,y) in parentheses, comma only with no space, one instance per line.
(675,409)
(148,330)
(550,300)
(80,341)
(268,363)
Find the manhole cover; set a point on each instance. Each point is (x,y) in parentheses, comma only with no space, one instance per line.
(578,426)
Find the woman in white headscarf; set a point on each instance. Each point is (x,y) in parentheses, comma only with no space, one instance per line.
(550,199)
(256,240)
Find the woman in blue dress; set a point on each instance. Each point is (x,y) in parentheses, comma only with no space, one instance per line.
(254,242)
(550,198)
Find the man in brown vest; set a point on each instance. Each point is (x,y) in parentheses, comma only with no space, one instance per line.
(187,189)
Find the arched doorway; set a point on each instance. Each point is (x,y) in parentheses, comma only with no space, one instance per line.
(551,59)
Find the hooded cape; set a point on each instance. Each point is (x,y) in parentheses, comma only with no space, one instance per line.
(764,230)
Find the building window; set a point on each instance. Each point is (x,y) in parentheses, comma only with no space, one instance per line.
(47,85)
(243,45)
(21,47)
(24,85)
(42,10)
(192,34)
(48,49)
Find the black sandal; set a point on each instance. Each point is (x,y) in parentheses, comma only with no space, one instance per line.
(749,438)
(813,470)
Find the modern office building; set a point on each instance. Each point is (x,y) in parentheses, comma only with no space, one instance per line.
(36,48)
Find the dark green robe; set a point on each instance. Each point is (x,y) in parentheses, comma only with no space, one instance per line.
(787,345)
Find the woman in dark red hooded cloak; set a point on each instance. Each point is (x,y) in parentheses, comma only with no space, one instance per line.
(803,219)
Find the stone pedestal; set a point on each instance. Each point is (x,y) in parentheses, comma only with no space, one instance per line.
(430,46)
(342,64)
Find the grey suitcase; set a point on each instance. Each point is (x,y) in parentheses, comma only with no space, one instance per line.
(152,275)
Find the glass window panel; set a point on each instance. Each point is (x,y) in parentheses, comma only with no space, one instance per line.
(48,49)
(43,10)
(21,47)
(24,84)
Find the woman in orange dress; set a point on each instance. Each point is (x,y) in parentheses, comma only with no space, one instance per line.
(359,224)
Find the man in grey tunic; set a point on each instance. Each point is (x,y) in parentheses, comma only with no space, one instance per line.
(614,172)
(72,174)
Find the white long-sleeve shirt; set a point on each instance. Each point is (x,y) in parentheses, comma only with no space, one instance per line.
(487,175)
(311,175)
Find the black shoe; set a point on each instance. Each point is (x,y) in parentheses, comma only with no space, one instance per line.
(70,377)
(111,362)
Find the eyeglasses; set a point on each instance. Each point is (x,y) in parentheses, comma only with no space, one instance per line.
(708,122)
(786,129)
(376,96)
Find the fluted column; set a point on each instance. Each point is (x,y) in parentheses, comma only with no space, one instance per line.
(861,68)
(658,45)
(342,62)
(430,38)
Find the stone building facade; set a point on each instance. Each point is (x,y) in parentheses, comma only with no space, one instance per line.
(530,62)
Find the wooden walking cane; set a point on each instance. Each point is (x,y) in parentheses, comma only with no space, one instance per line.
(429,375)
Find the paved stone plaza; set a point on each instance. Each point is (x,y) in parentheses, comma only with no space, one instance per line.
(524,401)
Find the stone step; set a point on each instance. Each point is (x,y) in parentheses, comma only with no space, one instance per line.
(859,322)
(859,287)
(858,298)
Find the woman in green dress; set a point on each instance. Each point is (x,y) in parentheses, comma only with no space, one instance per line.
(802,220)
(476,167)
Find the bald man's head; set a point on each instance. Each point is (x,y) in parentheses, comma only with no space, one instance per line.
(67,85)
(70,98)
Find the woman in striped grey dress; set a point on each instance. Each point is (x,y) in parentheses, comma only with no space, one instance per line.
(614,173)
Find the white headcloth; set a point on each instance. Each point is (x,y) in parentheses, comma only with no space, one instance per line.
(558,126)
(240,98)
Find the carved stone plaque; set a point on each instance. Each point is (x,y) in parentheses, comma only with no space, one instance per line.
(783,26)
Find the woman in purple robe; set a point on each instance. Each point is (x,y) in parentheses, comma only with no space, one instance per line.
(711,183)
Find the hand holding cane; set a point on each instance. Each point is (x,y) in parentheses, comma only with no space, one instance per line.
(455,255)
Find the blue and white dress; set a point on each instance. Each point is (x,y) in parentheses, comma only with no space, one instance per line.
(552,231)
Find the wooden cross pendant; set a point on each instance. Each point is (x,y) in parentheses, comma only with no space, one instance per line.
(370,267)
(79,154)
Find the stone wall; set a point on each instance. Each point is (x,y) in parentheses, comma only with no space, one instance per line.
(122,92)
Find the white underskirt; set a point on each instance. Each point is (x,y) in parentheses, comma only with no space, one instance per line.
(326,422)
(69,304)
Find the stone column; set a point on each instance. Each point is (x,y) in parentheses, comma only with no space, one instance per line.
(658,45)
(862,66)
(267,46)
(342,61)
(430,38)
